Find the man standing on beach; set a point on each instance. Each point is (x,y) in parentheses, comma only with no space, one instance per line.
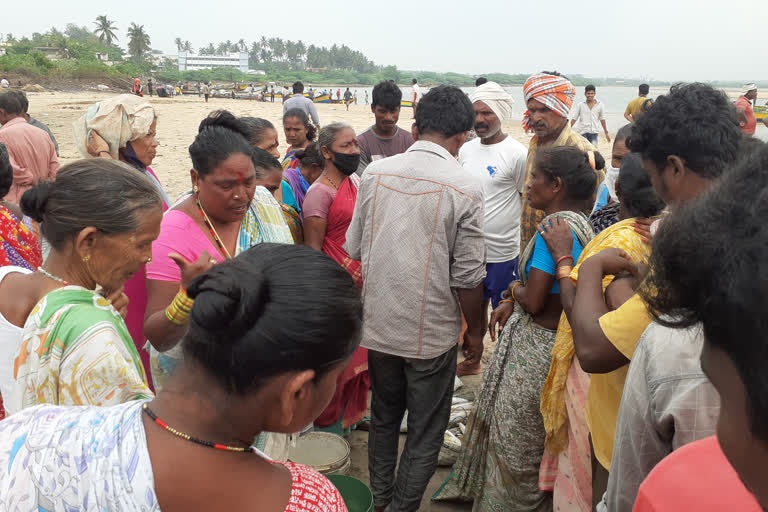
(384,138)
(33,156)
(549,97)
(415,94)
(347,98)
(635,106)
(418,231)
(497,162)
(588,116)
(747,119)
(149,87)
(206,91)
(299,101)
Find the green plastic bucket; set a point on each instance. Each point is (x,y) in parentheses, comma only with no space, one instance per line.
(357,496)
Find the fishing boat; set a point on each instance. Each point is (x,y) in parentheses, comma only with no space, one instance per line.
(406,103)
(761,112)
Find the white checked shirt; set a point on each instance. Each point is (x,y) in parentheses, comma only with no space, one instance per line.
(588,119)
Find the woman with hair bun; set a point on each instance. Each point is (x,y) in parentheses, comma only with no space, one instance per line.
(225,214)
(299,133)
(75,348)
(255,359)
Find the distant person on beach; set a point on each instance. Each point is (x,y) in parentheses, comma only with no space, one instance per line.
(366,97)
(384,138)
(588,116)
(347,98)
(480,81)
(149,87)
(32,154)
(746,113)
(417,228)
(635,106)
(22,97)
(549,98)
(300,102)
(415,95)
(138,89)
(338,94)
(206,91)
(497,161)
(4,83)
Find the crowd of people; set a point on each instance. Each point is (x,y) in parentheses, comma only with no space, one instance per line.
(622,294)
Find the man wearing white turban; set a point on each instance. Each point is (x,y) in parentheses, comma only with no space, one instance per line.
(497,161)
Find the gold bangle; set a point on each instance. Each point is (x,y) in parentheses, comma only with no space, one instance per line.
(180,307)
(506,300)
(563,271)
(512,289)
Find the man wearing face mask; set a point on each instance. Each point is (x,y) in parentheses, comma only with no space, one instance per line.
(549,98)
(497,162)
(418,230)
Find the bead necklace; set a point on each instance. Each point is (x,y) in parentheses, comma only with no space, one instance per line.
(195,440)
(51,276)
(210,227)
(330,180)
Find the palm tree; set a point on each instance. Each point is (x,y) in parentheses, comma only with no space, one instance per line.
(187,47)
(178,43)
(105,29)
(242,45)
(138,41)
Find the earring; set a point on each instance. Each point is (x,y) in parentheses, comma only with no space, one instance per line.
(86,258)
(149,260)
(195,189)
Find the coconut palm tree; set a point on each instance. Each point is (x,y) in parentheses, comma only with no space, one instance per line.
(179,44)
(187,47)
(106,30)
(139,43)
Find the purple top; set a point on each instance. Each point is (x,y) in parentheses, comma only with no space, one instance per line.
(298,184)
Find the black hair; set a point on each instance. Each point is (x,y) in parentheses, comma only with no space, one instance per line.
(637,193)
(311,155)
(571,165)
(644,89)
(256,127)
(304,118)
(298,87)
(599,161)
(414,81)
(264,163)
(709,266)
(219,136)
(694,122)
(6,171)
(244,329)
(23,101)
(387,94)
(624,133)
(65,207)
(480,81)
(590,87)
(10,103)
(445,110)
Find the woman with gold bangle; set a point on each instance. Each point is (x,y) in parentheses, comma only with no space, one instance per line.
(504,443)
(225,214)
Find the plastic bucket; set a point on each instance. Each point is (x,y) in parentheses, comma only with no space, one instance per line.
(357,496)
(322,451)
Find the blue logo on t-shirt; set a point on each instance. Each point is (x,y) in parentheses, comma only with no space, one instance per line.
(491,170)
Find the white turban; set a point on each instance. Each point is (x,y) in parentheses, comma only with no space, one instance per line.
(747,88)
(118,120)
(497,99)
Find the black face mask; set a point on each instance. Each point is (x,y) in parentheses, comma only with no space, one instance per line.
(346,163)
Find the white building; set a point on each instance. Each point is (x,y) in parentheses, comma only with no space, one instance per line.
(190,61)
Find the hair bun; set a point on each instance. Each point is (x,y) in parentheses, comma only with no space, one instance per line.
(34,202)
(224,119)
(222,304)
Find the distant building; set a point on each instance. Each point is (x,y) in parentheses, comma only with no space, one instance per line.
(190,61)
(52,53)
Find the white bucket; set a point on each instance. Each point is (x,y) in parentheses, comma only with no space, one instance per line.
(322,451)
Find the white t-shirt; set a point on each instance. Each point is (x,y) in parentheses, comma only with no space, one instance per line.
(501,170)
(4,83)
(415,92)
(10,339)
(588,119)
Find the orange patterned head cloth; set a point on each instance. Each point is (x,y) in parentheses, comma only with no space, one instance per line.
(556,92)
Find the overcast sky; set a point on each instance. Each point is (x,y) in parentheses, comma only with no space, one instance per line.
(655,39)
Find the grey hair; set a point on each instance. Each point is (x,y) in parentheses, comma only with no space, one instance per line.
(328,134)
(94,192)
(256,128)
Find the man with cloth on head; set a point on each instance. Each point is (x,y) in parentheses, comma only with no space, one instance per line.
(497,162)
(746,113)
(549,98)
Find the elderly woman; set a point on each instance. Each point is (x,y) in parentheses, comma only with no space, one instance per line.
(503,447)
(328,211)
(226,213)
(254,360)
(75,348)
(125,128)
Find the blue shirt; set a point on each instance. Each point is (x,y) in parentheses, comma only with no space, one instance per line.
(603,197)
(543,260)
(288,197)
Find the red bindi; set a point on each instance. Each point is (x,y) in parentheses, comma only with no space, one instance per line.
(240,177)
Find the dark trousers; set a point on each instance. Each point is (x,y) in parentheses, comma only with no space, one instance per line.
(424,387)
(591,137)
